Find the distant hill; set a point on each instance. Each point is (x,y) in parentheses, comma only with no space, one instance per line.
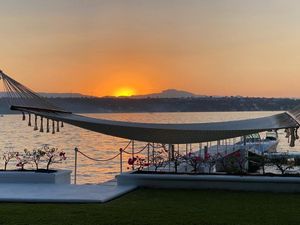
(55,95)
(169,93)
(63,95)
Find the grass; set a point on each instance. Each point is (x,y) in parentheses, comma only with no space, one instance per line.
(167,207)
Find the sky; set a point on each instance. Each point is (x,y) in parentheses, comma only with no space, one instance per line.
(97,47)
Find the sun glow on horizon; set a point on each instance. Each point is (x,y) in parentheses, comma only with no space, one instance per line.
(124,92)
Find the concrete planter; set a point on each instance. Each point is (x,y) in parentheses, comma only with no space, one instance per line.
(221,182)
(57,177)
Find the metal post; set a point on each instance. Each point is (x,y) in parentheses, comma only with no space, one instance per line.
(170,155)
(153,152)
(121,160)
(245,155)
(200,149)
(132,153)
(186,149)
(75,170)
(186,156)
(148,156)
(172,152)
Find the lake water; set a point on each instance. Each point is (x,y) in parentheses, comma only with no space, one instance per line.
(16,135)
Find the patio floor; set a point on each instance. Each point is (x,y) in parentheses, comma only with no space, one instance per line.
(49,193)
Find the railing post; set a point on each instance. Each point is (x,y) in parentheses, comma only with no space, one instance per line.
(75,171)
(121,160)
(148,156)
(153,152)
(170,155)
(186,157)
(132,153)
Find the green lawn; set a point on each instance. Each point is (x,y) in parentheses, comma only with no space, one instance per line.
(156,207)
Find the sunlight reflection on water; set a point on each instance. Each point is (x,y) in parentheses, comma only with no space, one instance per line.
(16,135)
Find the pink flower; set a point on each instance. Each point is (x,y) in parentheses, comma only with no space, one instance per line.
(130,161)
(197,158)
(207,155)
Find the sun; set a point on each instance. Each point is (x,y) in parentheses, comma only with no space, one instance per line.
(124,92)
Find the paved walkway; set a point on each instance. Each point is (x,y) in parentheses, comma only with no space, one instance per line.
(53,193)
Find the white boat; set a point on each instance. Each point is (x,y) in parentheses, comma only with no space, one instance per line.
(253,143)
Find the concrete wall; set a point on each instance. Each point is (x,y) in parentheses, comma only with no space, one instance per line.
(221,182)
(58,177)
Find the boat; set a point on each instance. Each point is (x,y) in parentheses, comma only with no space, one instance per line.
(253,143)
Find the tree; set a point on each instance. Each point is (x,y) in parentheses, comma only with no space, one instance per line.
(7,157)
(283,163)
(52,155)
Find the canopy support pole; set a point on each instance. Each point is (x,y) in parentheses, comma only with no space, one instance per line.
(186,156)
(153,152)
(148,153)
(245,154)
(170,156)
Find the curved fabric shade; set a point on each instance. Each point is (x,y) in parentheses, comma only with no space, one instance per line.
(170,133)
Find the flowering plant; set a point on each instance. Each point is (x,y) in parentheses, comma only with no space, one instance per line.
(138,163)
(194,161)
(35,157)
(52,155)
(23,159)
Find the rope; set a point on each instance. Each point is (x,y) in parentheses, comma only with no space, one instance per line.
(127,146)
(105,160)
(130,153)
(112,158)
(20,95)
(98,160)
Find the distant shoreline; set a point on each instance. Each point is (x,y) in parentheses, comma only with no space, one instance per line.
(168,105)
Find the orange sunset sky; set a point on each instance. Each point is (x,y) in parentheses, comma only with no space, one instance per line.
(213,47)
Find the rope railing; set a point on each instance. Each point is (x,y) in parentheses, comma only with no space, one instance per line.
(120,154)
(129,153)
(98,160)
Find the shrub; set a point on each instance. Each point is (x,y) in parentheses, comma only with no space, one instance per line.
(283,163)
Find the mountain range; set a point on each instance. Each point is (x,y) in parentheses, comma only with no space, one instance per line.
(169,93)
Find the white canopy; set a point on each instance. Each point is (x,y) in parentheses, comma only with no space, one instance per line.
(170,133)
